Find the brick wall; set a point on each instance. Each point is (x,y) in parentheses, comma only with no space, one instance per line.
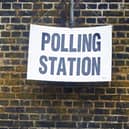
(43,105)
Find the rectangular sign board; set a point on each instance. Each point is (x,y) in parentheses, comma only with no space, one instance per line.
(70,54)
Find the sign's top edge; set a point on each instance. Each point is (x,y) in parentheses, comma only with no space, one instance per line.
(98,26)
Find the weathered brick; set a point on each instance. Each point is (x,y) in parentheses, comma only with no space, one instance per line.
(4,102)
(5,89)
(8,0)
(47,6)
(121,111)
(6,68)
(80,5)
(13,116)
(76,13)
(93,125)
(15,103)
(101,20)
(126,13)
(15,20)
(103,6)
(91,13)
(121,27)
(110,97)
(27,13)
(17,5)
(111,125)
(126,126)
(26,20)
(45,124)
(91,6)
(14,55)
(27,6)
(88,104)
(100,111)
(5,20)
(91,20)
(83,125)
(16,34)
(113,13)
(99,91)
(113,0)
(7,13)
(24,117)
(92,1)
(99,118)
(111,91)
(24,95)
(99,104)
(1,27)
(23,124)
(25,34)
(27,0)
(5,34)
(35,110)
(121,91)
(112,118)
(65,125)
(5,48)
(113,6)
(33,117)
(6,123)
(14,109)
(3,116)
(37,6)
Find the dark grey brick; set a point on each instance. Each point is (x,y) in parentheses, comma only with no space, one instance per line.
(6,6)
(15,20)
(27,0)
(91,13)
(23,124)
(113,13)
(113,6)
(5,34)
(93,125)
(16,34)
(5,20)
(8,1)
(66,124)
(6,123)
(4,116)
(91,20)
(47,6)
(45,124)
(111,125)
(24,117)
(7,13)
(17,5)
(5,48)
(13,116)
(91,6)
(103,6)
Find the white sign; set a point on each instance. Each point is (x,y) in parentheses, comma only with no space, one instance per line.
(70,54)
